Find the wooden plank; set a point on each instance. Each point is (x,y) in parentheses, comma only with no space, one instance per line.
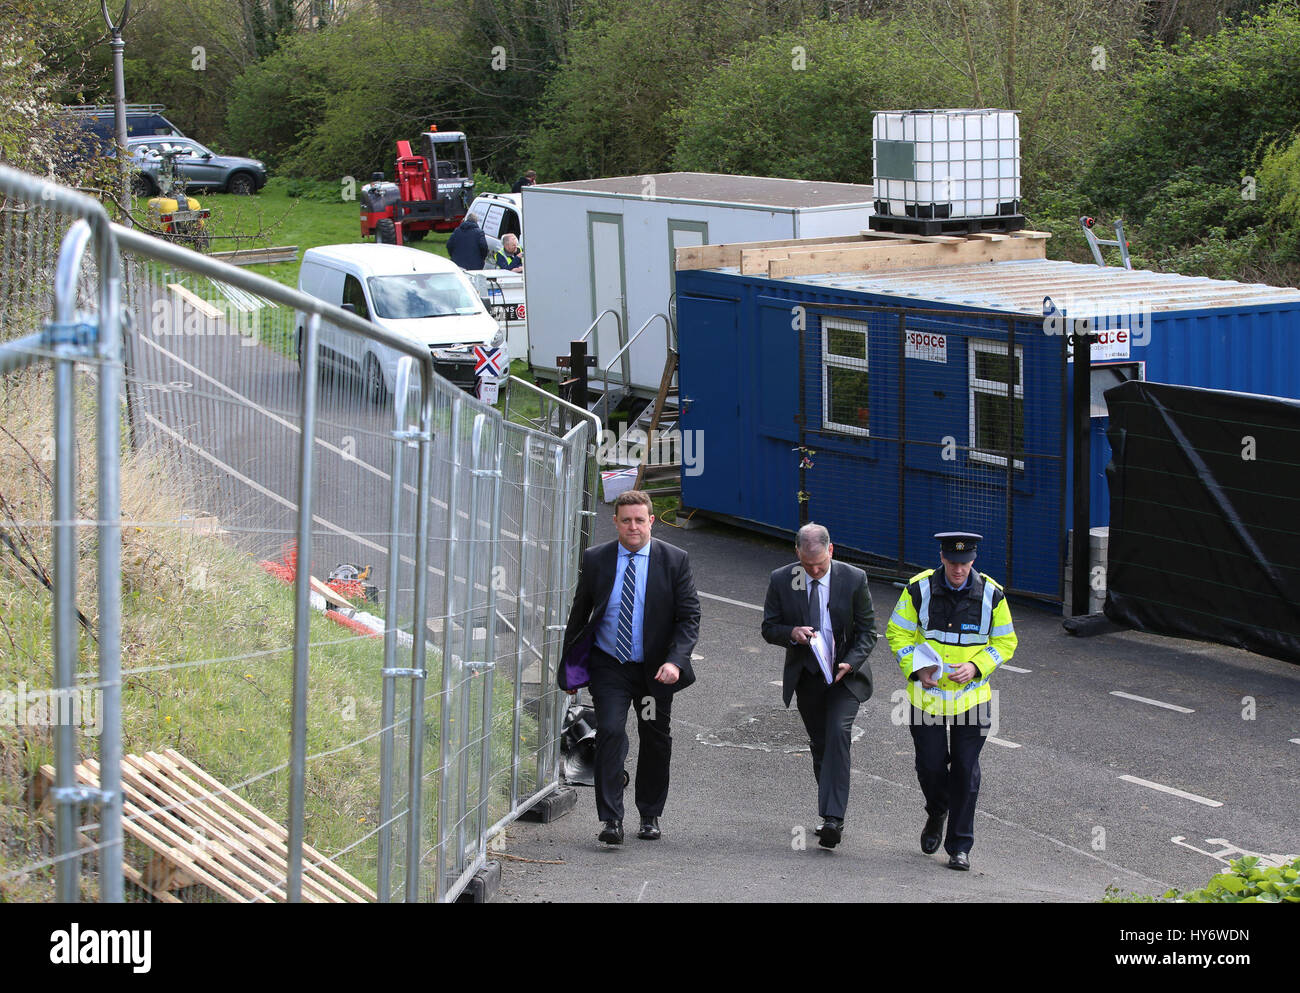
(133,874)
(197,302)
(267,822)
(329,594)
(885,257)
(252,847)
(754,261)
(276,850)
(213,855)
(989,235)
(890,235)
(1036,235)
(257,256)
(717,256)
(137,823)
(665,384)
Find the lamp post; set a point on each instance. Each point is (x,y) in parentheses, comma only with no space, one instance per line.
(119,91)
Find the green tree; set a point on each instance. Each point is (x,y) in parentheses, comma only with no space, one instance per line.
(627,66)
(800,104)
(1202,110)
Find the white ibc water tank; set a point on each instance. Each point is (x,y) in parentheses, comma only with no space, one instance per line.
(947,163)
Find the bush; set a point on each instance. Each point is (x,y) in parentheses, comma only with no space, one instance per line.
(1211,104)
(1248,882)
(761,115)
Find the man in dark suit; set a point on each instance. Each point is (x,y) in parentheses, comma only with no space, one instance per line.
(636,617)
(820,612)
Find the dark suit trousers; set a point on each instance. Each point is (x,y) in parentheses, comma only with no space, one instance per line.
(949,771)
(828,713)
(614,687)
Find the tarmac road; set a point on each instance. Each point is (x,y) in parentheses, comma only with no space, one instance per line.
(1055,820)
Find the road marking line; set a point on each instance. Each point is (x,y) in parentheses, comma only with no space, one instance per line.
(915,791)
(734,603)
(1013,668)
(1295,741)
(642,893)
(776,682)
(1154,703)
(1170,790)
(333,449)
(329,525)
(1003,742)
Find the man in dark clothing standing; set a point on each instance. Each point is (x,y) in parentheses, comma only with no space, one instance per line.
(468,245)
(527,179)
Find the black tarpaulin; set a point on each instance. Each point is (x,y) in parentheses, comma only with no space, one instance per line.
(1205,515)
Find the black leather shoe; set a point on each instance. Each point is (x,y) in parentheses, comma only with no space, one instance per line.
(959,861)
(611,833)
(831,833)
(932,834)
(650,829)
(818,829)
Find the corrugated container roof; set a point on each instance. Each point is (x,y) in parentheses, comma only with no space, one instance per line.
(1020,286)
(716,188)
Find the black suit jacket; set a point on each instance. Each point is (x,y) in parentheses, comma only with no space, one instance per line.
(853,622)
(671,621)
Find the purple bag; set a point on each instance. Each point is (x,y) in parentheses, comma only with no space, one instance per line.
(575,671)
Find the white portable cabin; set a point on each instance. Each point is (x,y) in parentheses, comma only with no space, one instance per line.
(603,244)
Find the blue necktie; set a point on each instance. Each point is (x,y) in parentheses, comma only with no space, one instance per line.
(626,609)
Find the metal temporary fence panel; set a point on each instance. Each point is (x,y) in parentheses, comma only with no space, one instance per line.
(364,767)
(60,552)
(216,384)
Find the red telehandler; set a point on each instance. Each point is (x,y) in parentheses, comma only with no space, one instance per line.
(432,191)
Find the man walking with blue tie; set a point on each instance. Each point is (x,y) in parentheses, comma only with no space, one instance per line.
(636,607)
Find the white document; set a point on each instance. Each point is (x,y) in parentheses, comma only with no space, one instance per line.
(924,656)
(824,654)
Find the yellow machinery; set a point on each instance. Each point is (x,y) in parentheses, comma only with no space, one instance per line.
(175,214)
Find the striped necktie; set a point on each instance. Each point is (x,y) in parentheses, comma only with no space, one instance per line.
(626,609)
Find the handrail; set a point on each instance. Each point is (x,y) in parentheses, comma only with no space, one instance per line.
(618,322)
(572,407)
(634,337)
(605,378)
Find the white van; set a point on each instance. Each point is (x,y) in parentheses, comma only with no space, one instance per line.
(407,292)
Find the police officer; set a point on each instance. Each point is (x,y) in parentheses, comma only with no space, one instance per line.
(950,629)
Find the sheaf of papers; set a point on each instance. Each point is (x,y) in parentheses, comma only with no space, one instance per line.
(823,653)
(923,657)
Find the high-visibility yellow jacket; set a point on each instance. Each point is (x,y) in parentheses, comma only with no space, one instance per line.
(970,625)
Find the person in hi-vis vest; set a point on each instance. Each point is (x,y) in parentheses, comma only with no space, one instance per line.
(949,631)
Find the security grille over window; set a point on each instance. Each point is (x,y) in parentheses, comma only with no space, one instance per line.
(846,387)
(994,428)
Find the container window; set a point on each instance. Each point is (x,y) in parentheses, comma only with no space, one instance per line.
(994,431)
(845,383)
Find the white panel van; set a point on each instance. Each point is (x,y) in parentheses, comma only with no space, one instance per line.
(405,291)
